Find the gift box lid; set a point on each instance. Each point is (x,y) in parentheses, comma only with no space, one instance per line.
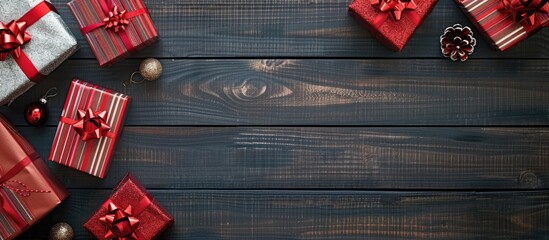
(51,43)
(26,184)
(91,121)
(134,32)
(153,218)
(498,24)
(391,32)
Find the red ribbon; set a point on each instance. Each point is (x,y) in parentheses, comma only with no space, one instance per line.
(13,37)
(115,20)
(7,208)
(525,11)
(396,8)
(90,125)
(123,223)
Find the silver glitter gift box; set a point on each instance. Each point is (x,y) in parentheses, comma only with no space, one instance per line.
(51,44)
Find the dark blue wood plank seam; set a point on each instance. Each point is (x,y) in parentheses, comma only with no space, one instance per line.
(341,190)
(317,58)
(327,126)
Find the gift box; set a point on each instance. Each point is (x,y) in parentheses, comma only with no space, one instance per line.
(392,22)
(90,123)
(114,28)
(34,41)
(129,213)
(505,23)
(28,190)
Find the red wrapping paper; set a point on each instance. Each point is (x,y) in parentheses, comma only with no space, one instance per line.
(110,46)
(153,219)
(385,27)
(28,190)
(69,146)
(497,24)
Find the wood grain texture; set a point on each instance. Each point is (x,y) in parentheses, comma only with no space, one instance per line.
(320,158)
(291,28)
(285,119)
(331,215)
(319,92)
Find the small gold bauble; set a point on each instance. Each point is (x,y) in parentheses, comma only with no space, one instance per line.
(150,69)
(61,231)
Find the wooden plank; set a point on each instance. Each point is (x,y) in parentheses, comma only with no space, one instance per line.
(320,158)
(328,215)
(274,28)
(314,91)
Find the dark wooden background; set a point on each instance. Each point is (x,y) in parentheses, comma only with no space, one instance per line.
(285,119)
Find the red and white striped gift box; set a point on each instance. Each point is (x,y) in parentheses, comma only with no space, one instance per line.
(69,148)
(107,45)
(28,189)
(497,24)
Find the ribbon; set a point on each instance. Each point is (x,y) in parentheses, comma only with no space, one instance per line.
(123,223)
(396,8)
(13,37)
(116,20)
(24,191)
(90,125)
(525,11)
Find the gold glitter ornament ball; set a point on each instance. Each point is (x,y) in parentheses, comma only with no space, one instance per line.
(61,231)
(150,69)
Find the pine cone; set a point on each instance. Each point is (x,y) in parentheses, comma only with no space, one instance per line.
(457,42)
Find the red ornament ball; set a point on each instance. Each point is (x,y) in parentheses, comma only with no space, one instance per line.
(36,113)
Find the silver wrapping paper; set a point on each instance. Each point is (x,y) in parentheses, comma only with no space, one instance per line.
(52,43)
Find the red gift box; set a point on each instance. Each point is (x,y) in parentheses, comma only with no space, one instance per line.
(28,190)
(129,213)
(505,23)
(392,22)
(114,28)
(89,127)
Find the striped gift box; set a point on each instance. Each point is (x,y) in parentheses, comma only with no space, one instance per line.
(69,148)
(7,226)
(107,45)
(27,188)
(497,24)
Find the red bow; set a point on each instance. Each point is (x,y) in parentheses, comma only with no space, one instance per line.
(12,37)
(91,125)
(526,10)
(121,223)
(116,20)
(396,7)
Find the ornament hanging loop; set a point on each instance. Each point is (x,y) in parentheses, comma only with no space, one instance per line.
(132,80)
(52,92)
(150,69)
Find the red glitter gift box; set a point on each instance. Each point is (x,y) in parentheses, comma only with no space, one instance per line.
(114,28)
(129,213)
(89,127)
(505,23)
(392,22)
(28,190)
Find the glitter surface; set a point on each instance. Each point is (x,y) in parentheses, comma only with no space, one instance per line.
(52,43)
(152,221)
(392,33)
